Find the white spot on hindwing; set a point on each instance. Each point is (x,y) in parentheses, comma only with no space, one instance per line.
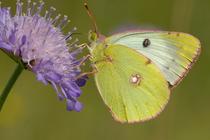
(135,79)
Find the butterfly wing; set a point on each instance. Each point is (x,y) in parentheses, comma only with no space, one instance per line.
(174,53)
(131,86)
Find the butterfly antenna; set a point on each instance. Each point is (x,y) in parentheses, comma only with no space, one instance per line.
(90,14)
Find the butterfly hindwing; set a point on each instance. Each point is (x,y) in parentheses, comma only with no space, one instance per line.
(173,53)
(131,86)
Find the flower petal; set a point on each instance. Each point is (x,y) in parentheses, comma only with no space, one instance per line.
(5,46)
(78,106)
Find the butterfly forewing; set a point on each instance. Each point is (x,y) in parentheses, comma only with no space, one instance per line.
(173,53)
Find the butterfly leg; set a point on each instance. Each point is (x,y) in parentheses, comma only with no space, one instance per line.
(87,73)
(84,45)
(84,59)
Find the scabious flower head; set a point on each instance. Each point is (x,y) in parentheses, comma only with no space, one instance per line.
(38,42)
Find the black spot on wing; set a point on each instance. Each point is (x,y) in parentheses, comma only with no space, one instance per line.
(146,43)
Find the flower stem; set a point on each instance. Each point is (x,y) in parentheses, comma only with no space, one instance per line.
(10,84)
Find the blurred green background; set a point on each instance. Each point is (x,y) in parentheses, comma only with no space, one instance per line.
(33,112)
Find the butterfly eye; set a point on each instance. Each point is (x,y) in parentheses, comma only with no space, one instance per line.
(106,45)
(146,43)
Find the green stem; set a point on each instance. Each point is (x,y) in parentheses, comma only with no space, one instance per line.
(10,84)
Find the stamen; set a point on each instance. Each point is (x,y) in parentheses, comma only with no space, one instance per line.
(33,8)
(36,23)
(56,19)
(64,92)
(29,8)
(29,64)
(28,3)
(8,8)
(63,26)
(51,11)
(60,95)
(67,37)
(46,36)
(24,19)
(63,22)
(18,8)
(46,14)
(40,7)
(21,9)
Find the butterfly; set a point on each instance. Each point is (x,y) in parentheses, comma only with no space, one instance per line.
(136,70)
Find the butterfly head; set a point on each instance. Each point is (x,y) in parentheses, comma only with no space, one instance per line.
(92,36)
(95,37)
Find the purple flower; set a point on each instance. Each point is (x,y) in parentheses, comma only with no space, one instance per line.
(38,42)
